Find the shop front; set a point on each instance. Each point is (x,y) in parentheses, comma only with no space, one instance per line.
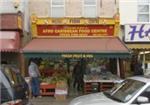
(138,40)
(9,47)
(9,41)
(59,44)
(10,38)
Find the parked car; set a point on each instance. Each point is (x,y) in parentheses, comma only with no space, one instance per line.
(132,91)
(13,88)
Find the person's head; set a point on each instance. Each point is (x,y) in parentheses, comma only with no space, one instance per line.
(78,63)
(31,60)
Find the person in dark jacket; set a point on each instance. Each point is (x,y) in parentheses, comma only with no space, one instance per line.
(138,68)
(78,76)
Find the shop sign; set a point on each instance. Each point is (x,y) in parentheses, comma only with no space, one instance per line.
(11,21)
(73,21)
(74,30)
(77,55)
(137,33)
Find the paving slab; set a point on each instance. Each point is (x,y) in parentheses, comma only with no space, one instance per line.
(46,100)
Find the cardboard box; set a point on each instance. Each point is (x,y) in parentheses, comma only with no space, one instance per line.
(61,91)
(60,97)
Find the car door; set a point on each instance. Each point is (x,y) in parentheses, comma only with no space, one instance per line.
(143,98)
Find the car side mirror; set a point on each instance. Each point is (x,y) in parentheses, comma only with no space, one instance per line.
(142,99)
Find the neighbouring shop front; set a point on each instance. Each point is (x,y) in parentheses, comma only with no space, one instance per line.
(59,44)
(10,35)
(138,40)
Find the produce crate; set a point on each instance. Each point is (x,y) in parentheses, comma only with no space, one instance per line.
(47,72)
(105,86)
(87,88)
(102,86)
(47,89)
(61,90)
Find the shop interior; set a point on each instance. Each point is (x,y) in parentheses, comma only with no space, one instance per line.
(76,76)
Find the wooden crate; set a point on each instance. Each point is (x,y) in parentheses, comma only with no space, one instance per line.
(47,89)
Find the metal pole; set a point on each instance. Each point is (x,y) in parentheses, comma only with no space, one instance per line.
(118,67)
(144,70)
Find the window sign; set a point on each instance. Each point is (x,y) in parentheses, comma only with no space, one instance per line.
(137,33)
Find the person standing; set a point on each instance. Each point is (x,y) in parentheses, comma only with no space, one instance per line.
(78,76)
(138,68)
(34,75)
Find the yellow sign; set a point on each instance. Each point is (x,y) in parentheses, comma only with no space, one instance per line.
(73,21)
(77,55)
(64,27)
(19,22)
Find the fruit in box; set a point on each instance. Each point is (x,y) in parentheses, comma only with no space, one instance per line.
(41,67)
(53,80)
(61,84)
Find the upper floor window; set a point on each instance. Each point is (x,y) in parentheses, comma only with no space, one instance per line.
(143,10)
(57,8)
(90,8)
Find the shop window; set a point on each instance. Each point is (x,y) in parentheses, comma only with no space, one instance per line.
(143,11)
(89,8)
(57,8)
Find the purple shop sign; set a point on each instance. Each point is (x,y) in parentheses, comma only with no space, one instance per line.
(137,33)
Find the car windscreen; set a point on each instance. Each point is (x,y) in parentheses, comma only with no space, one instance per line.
(125,91)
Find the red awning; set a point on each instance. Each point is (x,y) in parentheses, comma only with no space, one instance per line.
(9,41)
(79,45)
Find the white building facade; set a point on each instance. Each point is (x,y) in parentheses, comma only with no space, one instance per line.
(135,28)
(73,8)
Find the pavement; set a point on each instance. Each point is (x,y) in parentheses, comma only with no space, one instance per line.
(48,100)
(51,100)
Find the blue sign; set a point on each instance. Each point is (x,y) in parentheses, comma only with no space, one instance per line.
(137,33)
